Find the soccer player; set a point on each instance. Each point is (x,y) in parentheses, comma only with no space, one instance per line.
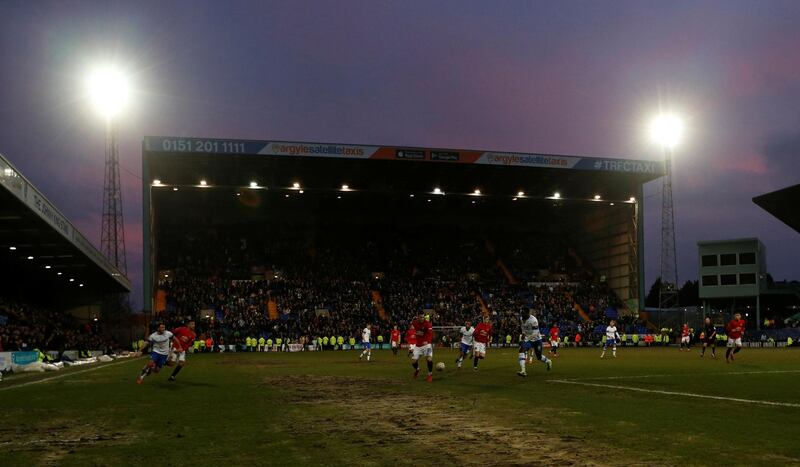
(466,332)
(395,339)
(482,336)
(531,339)
(365,334)
(554,340)
(735,331)
(184,337)
(423,347)
(611,339)
(685,337)
(709,338)
(411,338)
(159,343)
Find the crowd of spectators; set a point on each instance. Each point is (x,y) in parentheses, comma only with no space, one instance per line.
(336,284)
(27,327)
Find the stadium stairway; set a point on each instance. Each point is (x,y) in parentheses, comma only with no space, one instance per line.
(272,308)
(645,316)
(500,264)
(577,307)
(377,301)
(484,308)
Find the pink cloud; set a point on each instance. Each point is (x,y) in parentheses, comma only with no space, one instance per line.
(752,163)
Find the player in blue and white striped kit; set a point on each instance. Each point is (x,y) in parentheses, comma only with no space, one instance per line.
(532,339)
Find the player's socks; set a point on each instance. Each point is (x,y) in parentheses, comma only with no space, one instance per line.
(176,371)
(614,353)
(603,354)
(522,362)
(430,367)
(737,349)
(728,354)
(475,363)
(369,355)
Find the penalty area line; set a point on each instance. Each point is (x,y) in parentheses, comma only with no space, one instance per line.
(760,372)
(675,393)
(64,375)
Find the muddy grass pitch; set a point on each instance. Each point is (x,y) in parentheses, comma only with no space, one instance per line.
(646,407)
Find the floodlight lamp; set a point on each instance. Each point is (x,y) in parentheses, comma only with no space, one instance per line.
(667,130)
(108,89)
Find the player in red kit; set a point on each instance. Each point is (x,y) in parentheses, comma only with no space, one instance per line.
(411,338)
(554,341)
(482,336)
(395,339)
(735,331)
(685,337)
(423,331)
(182,341)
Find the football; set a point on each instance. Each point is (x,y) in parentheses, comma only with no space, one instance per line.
(440,366)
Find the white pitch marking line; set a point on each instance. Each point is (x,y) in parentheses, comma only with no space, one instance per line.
(603,378)
(51,378)
(675,393)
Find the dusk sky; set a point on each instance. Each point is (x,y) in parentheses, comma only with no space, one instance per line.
(576,78)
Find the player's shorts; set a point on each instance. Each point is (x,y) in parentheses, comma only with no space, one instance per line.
(422,351)
(554,344)
(177,356)
(158,359)
(366,345)
(480,347)
(525,346)
(394,344)
(465,347)
(684,339)
(610,343)
(735,342)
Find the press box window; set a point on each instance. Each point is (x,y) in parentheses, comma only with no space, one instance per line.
(727,279)
(728,259)
(747,258)
(710,280)
(747,278)
(709,260)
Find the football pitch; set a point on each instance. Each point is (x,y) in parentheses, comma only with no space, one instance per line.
(647,407)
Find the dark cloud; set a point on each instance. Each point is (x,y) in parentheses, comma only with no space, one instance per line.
(782,154)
